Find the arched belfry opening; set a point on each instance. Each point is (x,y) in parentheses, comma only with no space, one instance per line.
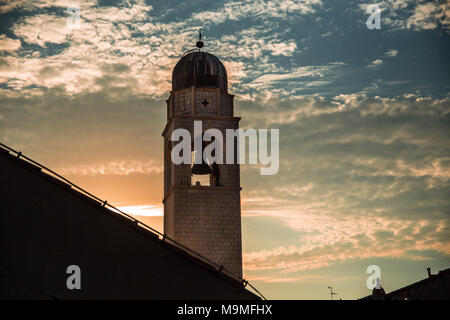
(202,206)
(201,170)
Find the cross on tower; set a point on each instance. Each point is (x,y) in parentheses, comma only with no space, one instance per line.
(205,102)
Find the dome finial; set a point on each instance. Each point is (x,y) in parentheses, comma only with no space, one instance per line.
(199,44)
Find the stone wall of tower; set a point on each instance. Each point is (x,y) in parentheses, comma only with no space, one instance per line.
(208,220)
(189,101)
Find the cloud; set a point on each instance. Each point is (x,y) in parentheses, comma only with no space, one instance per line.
(414,15)
(84,64)
(327,240)
(30,5)
(110,36)
(360,177)
(264,58)
(148,210)
(375,63)
(254,43)
(391,53)
(294,80)
(114,168)
(131,12)
(282,279)
(8,44)
(235,10)
(428,16)
(301,72)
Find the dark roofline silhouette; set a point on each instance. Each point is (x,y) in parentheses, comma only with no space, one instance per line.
(141,227)
(419,283)
(416,285)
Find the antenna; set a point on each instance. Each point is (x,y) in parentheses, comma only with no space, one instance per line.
(331,292)
(199,43)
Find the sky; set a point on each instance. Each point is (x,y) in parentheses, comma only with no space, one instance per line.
(363,116)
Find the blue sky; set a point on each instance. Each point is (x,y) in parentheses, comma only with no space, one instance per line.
(363,118)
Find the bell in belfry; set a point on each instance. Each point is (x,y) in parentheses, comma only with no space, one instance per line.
(200,168)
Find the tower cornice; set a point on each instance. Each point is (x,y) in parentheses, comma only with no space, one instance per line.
(208,188)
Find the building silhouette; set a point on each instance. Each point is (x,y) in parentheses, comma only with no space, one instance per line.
(435,287)
(202,207)
(47,225)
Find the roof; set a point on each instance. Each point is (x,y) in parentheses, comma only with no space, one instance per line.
(416,285)
(436,286)
(138,226)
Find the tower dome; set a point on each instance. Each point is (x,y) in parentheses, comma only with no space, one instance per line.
(199,69)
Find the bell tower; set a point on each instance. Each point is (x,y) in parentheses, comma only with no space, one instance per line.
(202,204)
